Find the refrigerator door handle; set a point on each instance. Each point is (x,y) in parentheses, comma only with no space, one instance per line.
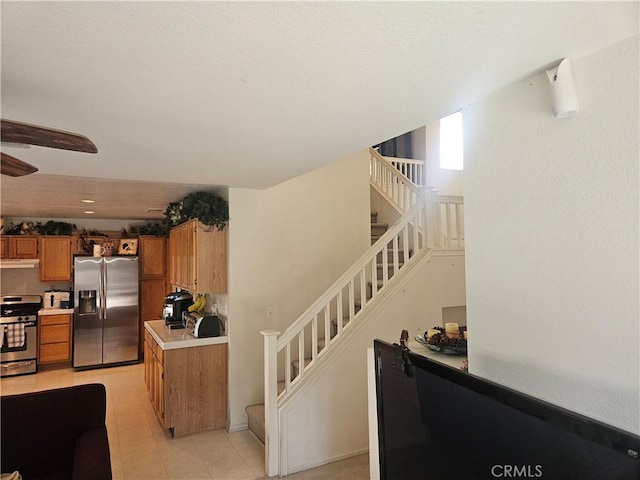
(104,289)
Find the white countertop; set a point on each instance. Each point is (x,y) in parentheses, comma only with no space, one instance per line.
(54,311)
(451,360)
(170,339)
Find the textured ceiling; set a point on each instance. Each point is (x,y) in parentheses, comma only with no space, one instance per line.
(250,94)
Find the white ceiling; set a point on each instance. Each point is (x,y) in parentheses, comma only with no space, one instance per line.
(250,94)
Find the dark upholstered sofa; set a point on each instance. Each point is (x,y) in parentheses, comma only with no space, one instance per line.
(56,434)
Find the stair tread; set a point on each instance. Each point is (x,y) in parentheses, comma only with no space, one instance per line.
(335,320)
(296,363)
(255,414)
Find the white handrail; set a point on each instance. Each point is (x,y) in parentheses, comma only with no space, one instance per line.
(348,296)
(393,185)
(414,170)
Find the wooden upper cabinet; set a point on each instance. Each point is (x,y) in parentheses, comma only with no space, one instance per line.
(23,247)
(19,247)
(153,256)
(198,257)
(55,258)
(152,253)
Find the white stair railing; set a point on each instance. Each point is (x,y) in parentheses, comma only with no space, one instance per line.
(448,226)
(315,333)
(398,180)
(414,170)
(429,221)
(399,190)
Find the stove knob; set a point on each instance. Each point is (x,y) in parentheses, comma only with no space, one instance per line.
(19,319)
(26,318)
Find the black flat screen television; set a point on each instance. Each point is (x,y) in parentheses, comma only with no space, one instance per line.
(437,422)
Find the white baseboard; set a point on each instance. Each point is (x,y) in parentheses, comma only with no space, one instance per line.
(237,427)
(337,458)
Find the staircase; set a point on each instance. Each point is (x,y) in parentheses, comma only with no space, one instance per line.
(255,413)
(300,356)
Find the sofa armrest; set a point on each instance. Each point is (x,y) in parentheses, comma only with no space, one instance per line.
(39,430)
(91,457)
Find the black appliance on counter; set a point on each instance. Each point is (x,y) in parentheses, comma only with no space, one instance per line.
(202,326)
(19,322)
(174,304)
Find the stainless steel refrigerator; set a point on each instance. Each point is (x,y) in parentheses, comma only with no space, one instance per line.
(105,321)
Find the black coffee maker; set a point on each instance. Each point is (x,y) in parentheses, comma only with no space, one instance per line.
(174,304)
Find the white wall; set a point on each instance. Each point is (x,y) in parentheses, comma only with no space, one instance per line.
(334,407)
(552,222)
(426,146)
(287,245)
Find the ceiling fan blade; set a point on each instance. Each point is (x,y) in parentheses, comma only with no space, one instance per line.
(13,167)
(17,132)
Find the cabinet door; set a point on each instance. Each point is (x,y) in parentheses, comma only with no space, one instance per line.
(54,353)
(54,338)
(159,391)
(57,319)
(55,334)
(211,261)
(152,253)
(173,256)
(152,295)
(55,259)
(148,367)
(23,247)
(189,255)
(181,252)
(179,258)
(19,247)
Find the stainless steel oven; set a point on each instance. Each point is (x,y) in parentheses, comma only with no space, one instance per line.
(19,330)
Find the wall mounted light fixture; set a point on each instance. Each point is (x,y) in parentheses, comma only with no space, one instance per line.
(563,90)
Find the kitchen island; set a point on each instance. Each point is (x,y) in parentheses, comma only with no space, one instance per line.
(186,378)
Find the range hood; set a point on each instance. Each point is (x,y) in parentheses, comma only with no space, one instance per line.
(19,263)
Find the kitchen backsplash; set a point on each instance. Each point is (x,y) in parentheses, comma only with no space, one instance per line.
(26,281)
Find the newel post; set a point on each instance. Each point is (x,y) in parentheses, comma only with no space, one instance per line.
(271,421)
(429,223)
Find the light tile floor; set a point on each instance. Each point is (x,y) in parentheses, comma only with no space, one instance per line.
(141,449)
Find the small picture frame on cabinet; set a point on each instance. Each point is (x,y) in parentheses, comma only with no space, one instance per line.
(128,246)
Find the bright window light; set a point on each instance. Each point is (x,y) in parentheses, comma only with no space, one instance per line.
(451,157)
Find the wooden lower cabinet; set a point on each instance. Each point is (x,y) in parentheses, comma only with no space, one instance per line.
(187,386)
(154,376)
(54,338)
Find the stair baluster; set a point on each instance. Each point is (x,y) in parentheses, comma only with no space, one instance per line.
(404,243)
